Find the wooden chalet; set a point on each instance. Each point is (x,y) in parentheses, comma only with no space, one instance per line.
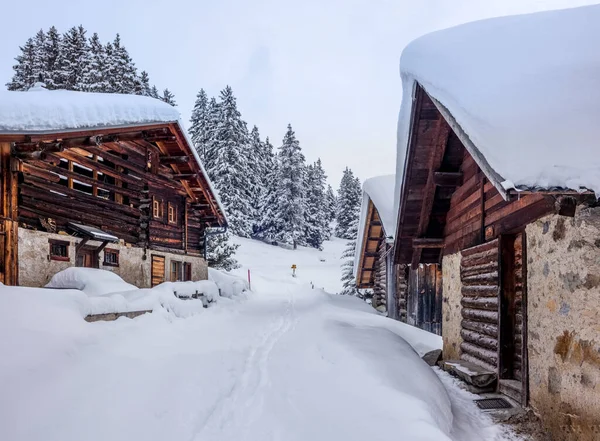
(125,193)
(497,304)
(374,245)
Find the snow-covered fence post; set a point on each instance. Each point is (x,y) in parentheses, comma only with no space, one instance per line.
(249,282)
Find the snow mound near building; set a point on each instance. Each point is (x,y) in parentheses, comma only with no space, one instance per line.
(45,110)
(524,89)
(92,281)
(229,284)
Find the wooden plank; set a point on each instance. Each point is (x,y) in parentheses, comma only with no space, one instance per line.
(428,242)
(448,179)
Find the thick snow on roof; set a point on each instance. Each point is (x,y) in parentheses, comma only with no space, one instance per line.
(41,110)
(524,89)
(380,190)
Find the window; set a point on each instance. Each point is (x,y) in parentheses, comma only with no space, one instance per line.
(157,209)
(172,214)
(181,271)
(111,257)
(176,267)
(59,250)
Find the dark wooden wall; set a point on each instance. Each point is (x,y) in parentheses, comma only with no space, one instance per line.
(424,298)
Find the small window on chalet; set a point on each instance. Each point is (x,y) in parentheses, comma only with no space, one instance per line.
(176,268)
(59,250)
(157,209)
(172,214)
(111,257)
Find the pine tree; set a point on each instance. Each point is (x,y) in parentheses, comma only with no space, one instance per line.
(288,210)
(221,252)
(267,204)
(154,93)
(168,97)
(331,203)
(315,214)
(348,279)
(198,124)
(211,124)
(227,164)
(95,77)
(258,171)
(52,58)
(39,57)
(23,77)
(349,201)
(144,82)
(123,76)
(74,51)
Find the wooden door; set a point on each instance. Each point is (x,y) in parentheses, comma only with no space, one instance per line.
(424,298)
(479,305)
(512,351)
(158,270)
(86,258)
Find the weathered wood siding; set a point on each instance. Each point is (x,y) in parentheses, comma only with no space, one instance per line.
(424,298)
(480,295)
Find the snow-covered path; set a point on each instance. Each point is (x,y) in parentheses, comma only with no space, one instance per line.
(289,363)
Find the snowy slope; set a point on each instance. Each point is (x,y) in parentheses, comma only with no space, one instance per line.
(525,90)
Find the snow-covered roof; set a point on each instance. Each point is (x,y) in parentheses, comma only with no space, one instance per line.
(379,190)
(46,111)
(42,110)
(524,90)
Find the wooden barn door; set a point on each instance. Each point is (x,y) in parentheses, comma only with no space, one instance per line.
(512,352)
(480,320)
(424,298)
(158,270)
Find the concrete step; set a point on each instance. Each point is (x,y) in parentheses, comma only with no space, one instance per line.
(470,373)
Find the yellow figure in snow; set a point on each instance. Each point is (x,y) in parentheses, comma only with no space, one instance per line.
(294,270)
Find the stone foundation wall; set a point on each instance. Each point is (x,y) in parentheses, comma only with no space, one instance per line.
(563,282)
(451,316)
(36,268)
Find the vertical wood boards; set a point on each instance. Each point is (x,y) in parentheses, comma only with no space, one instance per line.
(10,225)
(158,269)
(424,298)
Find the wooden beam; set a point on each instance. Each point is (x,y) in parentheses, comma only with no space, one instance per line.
(80,245)
(167,160)
(428,242)
(184,176)
(448,179)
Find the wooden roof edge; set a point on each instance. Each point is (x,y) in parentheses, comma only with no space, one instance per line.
(478,157)
(417,101)
(363,245)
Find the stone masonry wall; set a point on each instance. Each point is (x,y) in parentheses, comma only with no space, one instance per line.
(36,268)
(451,316)
(563,283)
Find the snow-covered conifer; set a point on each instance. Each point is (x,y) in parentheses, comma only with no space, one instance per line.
(168,97)
(39,57)
(331,203)
(348,279)
(198,124)
(348,206)
(52,58)
(220,252)
(315,214)
(73,58)
(95,77)
(144,82)
(23,77)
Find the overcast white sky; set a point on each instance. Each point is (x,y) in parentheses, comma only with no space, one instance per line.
(330,67)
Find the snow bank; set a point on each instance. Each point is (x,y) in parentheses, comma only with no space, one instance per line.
(51,110)
(380,190)
(94,282)
(229,284)
(524,89)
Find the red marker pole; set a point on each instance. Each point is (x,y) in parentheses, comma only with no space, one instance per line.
(249,283)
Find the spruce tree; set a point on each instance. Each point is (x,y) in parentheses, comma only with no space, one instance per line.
(144,82)
(52,56)
(349,200)
(168,97)
(289,216)
(315,214)
(198,124)
(348,279)
(154,93)
(73,58)
(331,203)
(258,168)
(227,164)
(123,77)
(267,204)
(39,57)
(23,77)
(95,77)
(220,252)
